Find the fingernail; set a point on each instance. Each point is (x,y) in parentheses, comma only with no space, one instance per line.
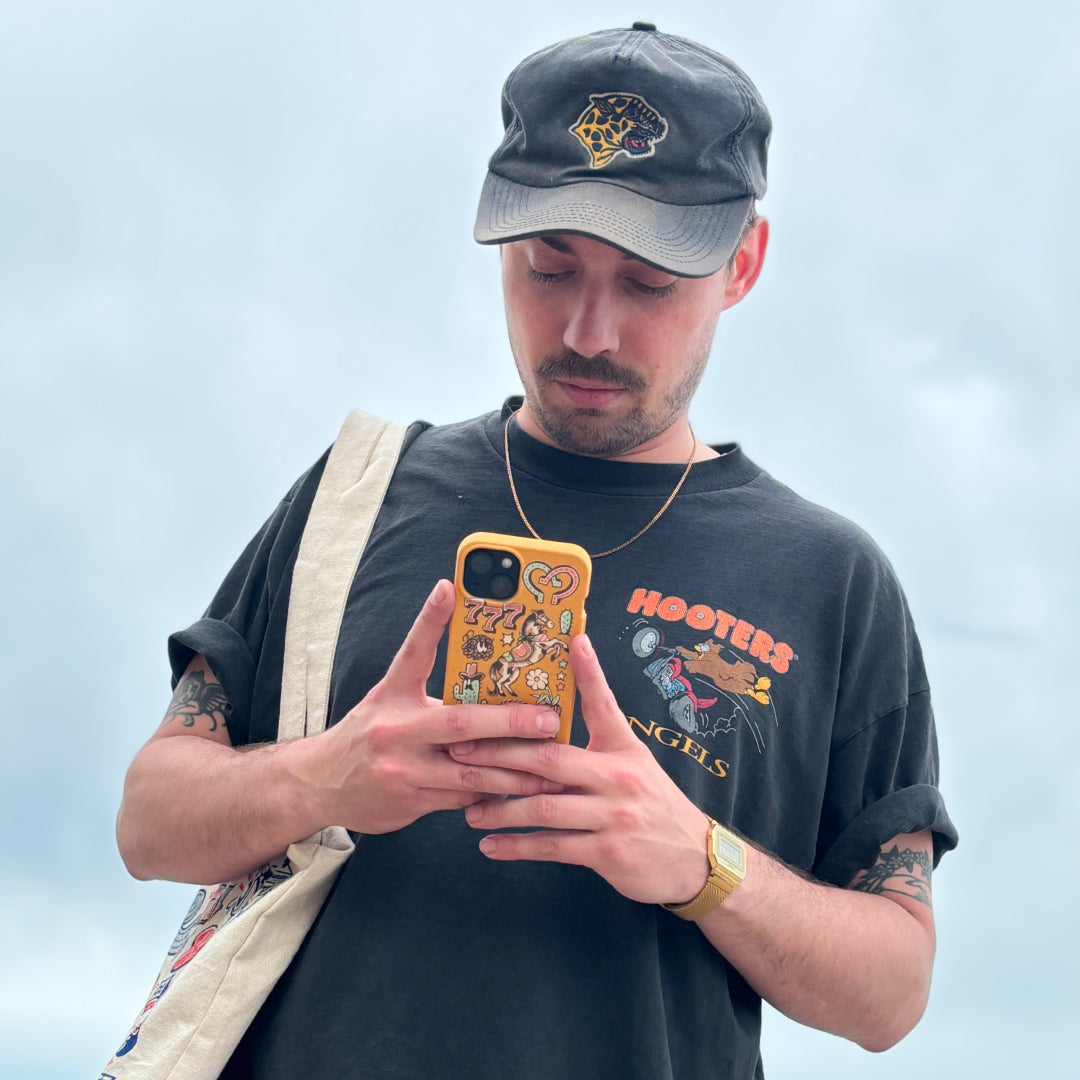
(436,593)
(462,747)
(552,787)
(586,646)
(473,814)
(548,722)
(487,845)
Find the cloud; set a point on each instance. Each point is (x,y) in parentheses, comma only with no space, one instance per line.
(224,227)
(78,966)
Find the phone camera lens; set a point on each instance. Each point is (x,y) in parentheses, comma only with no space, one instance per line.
(480,562)
(501,586)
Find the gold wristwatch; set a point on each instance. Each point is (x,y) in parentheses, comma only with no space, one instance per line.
(727,867)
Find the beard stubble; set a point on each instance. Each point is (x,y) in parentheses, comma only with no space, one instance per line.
(592,432)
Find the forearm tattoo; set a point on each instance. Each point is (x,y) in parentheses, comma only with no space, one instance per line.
(195,697)
(906,873)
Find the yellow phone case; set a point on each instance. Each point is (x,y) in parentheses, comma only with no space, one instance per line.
(516,648)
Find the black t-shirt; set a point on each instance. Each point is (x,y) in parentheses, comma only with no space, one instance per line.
(760,646)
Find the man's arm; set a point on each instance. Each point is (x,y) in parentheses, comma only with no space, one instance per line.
(197,809)
(852,961)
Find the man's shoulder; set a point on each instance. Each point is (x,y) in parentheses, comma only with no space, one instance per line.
(453,435)
(816,533)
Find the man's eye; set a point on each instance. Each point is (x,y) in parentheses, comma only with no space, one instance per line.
(654,290)
(542,278)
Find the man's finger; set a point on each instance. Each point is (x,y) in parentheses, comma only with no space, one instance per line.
(409,670)
(608,729)
(541,811)
(568,765)
(446,725)
(577,849)
(450,775)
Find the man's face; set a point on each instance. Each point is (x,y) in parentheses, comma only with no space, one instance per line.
(609,349)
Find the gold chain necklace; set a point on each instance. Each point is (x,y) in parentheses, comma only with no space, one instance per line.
(626,543)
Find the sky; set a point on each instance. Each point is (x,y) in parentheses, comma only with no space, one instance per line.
(222,225)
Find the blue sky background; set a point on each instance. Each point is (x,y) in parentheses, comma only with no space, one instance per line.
(223,224)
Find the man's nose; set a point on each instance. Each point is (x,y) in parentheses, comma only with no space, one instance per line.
(593,324)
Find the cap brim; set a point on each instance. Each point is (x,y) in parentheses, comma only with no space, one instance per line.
(691,241)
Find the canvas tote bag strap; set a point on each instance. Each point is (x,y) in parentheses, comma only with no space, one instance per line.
(346,504)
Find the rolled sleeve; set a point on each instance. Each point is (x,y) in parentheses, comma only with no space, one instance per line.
(230,659)
(250,605)
(882,782)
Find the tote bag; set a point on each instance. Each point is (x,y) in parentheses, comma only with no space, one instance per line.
(239,936)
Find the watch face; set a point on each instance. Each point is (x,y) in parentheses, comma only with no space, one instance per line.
(729,851)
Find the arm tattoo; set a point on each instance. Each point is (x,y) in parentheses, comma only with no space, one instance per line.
(195,697)
(906,873)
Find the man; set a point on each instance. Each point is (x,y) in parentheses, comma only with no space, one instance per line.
(751,670)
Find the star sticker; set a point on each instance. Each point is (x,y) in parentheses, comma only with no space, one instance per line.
(508,639)
(562,663)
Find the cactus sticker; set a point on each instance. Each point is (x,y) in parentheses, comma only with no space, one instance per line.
(468,690)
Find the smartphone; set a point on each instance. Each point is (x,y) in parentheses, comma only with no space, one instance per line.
(518,601)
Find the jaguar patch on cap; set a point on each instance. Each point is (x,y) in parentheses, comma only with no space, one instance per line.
(645,141)
(617,123)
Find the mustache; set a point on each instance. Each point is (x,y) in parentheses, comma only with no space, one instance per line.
(570,364)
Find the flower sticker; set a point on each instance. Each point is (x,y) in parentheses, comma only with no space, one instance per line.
(536,679)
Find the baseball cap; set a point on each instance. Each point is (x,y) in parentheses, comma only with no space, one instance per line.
(649,142)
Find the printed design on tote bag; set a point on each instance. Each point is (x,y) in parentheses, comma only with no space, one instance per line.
(714,673)
(211,909)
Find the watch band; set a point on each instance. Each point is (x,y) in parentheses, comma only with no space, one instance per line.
(710,897)
(727,867)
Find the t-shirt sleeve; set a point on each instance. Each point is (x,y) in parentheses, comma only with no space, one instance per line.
(232,631)
(883,762)
(883,782)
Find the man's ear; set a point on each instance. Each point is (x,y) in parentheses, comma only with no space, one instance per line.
(747,263)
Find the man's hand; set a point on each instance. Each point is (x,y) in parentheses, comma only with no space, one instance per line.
(619,812)
(385,764)
(838,959)
(197,809)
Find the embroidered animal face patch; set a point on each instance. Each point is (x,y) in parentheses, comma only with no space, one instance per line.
(615,124)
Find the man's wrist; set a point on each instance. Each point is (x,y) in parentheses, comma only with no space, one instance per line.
(307,802)
(726,854)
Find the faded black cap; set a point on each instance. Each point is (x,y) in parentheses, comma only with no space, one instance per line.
(644,140)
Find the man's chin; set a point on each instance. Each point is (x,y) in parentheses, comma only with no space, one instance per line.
(592,432)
